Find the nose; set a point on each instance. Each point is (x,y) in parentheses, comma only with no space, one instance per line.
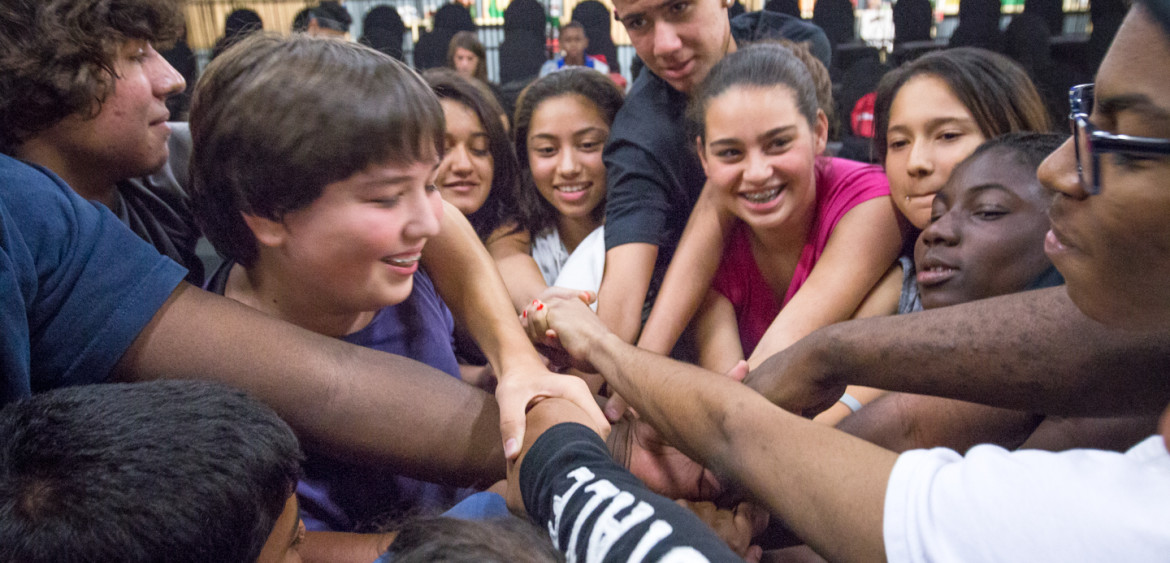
(460,160)
(165,80)
(757,169)
(666,40)
(1059,173)
(568,166)
(426,214)
(919,163)
(942,231)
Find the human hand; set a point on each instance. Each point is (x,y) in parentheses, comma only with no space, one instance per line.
(661,466)
(736,526)
(563,321)
(796,380)
(517,391)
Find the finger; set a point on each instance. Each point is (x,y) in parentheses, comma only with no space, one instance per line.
(512,420)
(615,408)
(754,554)
(588,297)
(738,371)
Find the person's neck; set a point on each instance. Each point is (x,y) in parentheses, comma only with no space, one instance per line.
(575,61)
(786,239)
(573,230)
(95,185)
(278,294)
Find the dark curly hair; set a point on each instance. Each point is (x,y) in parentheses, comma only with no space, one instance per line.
(534,213)
(57,56)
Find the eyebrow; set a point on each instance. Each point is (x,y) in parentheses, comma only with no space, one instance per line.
(934,123)
(765,135)
(1137,103)
(976,190)
(654,8)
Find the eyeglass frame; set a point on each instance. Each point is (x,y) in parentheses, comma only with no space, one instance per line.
(1099,141)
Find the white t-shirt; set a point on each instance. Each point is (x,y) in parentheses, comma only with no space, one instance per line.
(580,270)
(1030,505)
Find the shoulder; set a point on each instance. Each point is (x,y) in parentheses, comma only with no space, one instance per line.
(841,177)
(755,26)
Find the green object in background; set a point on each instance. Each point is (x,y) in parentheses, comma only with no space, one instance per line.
(494,10)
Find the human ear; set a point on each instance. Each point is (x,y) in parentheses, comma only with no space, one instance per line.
(821,132)
(267,231)
(702,154)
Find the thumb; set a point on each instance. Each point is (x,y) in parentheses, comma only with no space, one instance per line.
(615,407)
(738,371)
(512,420)
(587,296)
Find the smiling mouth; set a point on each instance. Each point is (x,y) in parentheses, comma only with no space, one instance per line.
(403,262)
(935,274)
(572,188)
(762,196)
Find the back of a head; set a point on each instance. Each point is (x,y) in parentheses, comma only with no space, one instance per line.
(994,89)
(242,21)
(57,57)
(912,20)
(788,7)
(454,17)
(978,25)
(332,15)
(525,15)
(837,20)
(274,120)
(1026,41)
(143,472)
(383,29)
(504,540)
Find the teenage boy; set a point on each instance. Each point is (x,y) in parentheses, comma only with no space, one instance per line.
(159,471)
(85,300)
(853,501)
(652,171)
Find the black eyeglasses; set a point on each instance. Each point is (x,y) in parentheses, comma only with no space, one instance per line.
(1091,142)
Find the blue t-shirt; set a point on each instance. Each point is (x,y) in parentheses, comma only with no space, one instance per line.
(342,496)
(76,286)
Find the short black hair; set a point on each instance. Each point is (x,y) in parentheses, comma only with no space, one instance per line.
(139,472)
(1029,148)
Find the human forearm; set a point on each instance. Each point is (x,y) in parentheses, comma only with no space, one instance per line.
(628,269)
(688,277)
(466,277)
(518,270)
(347,400)
(1029,351)
(824,484)
(901,421)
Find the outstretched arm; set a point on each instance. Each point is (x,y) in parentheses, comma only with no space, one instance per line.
(351,401)
(466,277)
(860,251)
(688,277)
(513,256)
(628,269)
(823,483)
(1031,351)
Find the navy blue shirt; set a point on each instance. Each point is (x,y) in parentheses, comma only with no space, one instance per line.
(76,286)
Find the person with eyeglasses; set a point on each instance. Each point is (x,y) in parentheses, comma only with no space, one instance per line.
(853,501)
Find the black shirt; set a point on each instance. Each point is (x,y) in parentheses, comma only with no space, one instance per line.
(595,510)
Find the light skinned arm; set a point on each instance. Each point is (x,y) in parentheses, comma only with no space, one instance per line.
(466,277)
(628,269)
(823,483)
(512,252)
(1032,351)
(864,244)
(717,334)
(349,401)
(689,275)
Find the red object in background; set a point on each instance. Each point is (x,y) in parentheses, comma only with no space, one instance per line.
(861,118)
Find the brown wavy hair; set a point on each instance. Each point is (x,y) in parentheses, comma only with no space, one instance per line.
(57,56)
